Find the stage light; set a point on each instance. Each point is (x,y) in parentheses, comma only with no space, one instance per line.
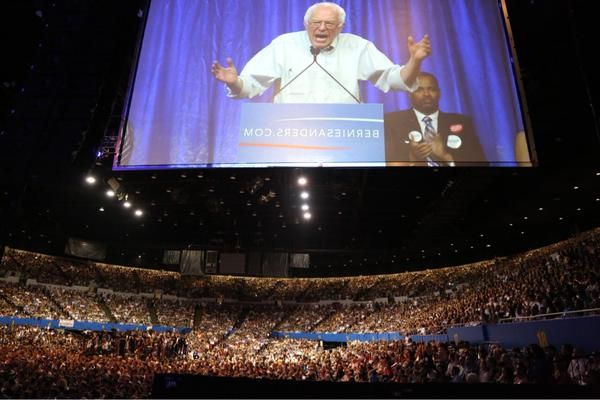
(127,204)
(110,193)
(139,213)
(304,195)
(307,215)
(302,181)
(90,179)
(305,207)
(101,209)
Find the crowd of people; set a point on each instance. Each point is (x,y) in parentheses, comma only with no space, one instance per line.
(550,281)
(231,328)
(52,363)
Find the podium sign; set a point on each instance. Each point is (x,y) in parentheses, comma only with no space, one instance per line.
(311,135)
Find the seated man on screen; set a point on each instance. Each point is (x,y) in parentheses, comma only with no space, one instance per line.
(349,58)
(426,136)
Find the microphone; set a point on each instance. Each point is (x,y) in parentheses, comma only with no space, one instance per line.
(314,51)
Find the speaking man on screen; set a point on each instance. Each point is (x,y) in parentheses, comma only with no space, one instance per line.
(321,64)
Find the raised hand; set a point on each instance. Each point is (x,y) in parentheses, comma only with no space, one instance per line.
(419,50)
(226,74)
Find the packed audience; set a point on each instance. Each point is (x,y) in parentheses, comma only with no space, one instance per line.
(417,302)
(233,317)
(51,363)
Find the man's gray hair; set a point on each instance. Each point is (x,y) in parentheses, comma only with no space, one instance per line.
(340,11)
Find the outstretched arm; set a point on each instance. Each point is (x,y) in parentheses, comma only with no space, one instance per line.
(418,52)
(227,75)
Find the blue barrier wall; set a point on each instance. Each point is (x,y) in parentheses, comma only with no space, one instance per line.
(85,325)
(361,337)
(581,332)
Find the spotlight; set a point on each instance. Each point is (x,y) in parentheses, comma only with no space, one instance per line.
(90,179)
(127,204)
(304,195)
(305,207)
(139,213)
(307,215)
(110,193)
(302,181)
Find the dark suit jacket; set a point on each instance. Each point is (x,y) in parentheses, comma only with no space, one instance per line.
(400,123)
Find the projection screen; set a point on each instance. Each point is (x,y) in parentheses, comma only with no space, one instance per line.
(178,115)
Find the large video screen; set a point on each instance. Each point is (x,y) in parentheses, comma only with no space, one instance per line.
(230,83)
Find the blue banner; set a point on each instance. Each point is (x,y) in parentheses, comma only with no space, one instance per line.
(311,134)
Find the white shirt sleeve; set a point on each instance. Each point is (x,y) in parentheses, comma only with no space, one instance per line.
(259,73)
(379,70)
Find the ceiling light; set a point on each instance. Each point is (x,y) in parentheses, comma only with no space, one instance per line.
(575,187)
(110,193)
(101,209)
(304,195)
(127,204)
(139,213)
(302,181)
(307,215)
(90,179)
(305,207)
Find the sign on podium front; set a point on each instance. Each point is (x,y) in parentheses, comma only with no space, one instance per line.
(311,135)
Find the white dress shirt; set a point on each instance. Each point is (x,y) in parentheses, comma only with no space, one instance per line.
(350,59)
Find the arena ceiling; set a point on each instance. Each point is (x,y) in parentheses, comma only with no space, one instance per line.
(64,79)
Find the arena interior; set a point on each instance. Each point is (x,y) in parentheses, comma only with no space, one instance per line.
(404,283)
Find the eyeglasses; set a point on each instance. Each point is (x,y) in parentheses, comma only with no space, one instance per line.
(328,24)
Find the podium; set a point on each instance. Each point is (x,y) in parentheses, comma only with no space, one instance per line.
(336,135)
